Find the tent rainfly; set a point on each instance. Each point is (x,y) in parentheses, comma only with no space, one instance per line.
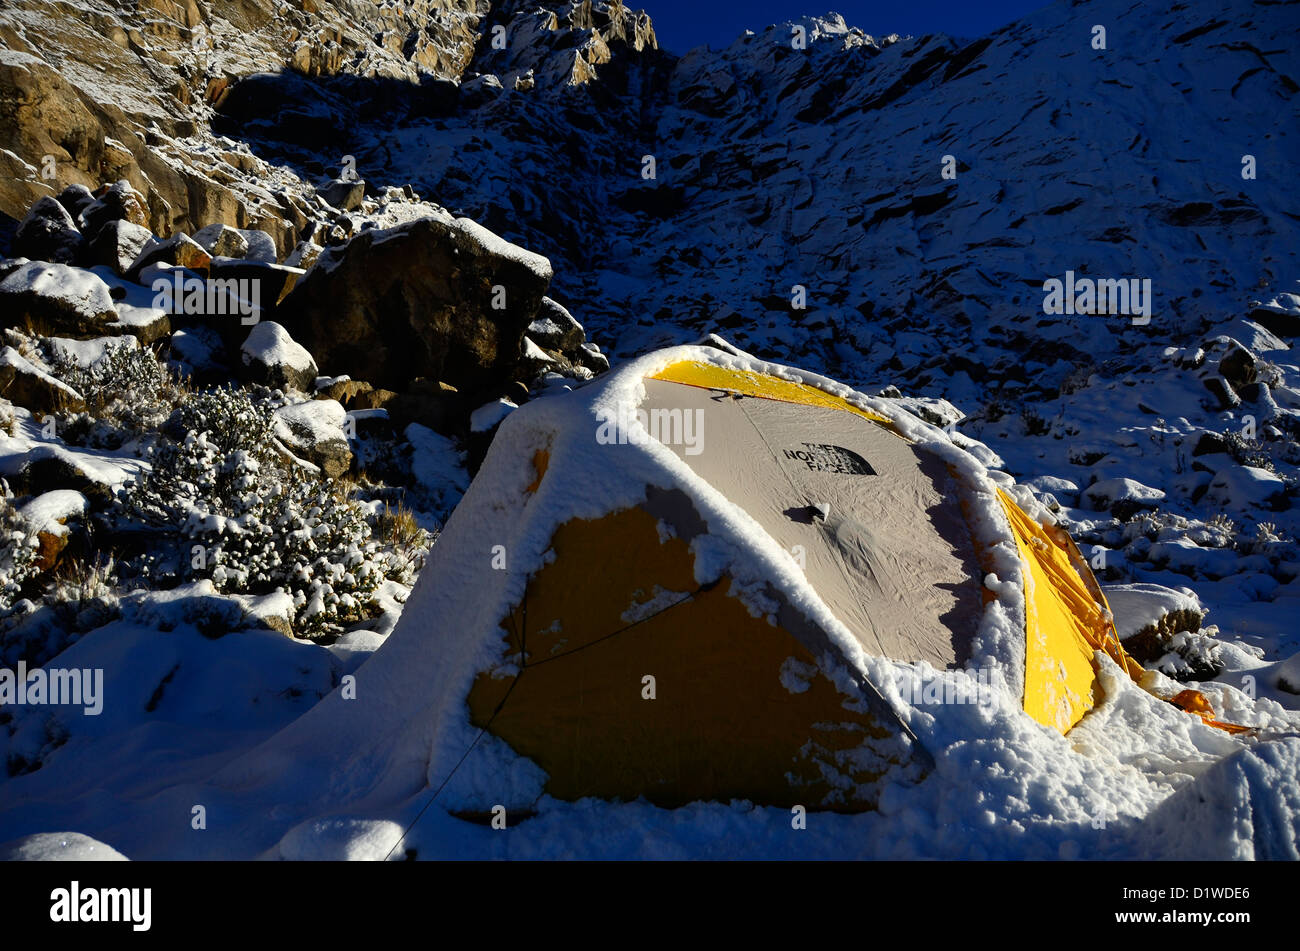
(706,577)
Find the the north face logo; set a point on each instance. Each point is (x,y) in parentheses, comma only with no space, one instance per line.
(821,457)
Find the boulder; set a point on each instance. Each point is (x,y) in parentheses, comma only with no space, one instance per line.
(342,388)
(1224,395)
(76,199)
(439,406)
(555,329)
(180,250)
(261,246)
(271,357)
(47,516)
(115,202)
(222,241)
(343,194)
(1238,367)
(1229,366)
(1210,444)
(273,281)
(24,384)
(1247,489)
(417,300)
(1123,498)
(48,233)
(314,431)
(56,300)
(589,356)
(119,244)
(304,255)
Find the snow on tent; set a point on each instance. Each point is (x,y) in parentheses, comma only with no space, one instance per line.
(703,577)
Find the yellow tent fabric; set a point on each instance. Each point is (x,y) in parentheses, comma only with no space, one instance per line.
(1064,625)
(710,376)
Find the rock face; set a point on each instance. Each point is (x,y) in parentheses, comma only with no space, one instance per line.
(440,298)
(118,91)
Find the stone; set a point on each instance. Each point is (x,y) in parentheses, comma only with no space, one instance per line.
(180,250)
(222,241)
(314,431)
(48,233)
(555,329)
(24,384)
(343,194)
(418,300)
(118,244)
(118,201)
(271,357)
(56,300)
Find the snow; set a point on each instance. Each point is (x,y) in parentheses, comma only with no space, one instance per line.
(9,357)
(489,415)
(1070,416)
(28,446)
(437,466)
(1246,488)
(1106,492)
(48,512)
(58,847)
(81,291)
(135,311)
(533,352)
(1136,606)
(311,422)
(345,778)
(261,246)
(86,353)
(500,247)
(270,344)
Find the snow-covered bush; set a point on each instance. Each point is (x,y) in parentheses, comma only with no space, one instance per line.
(251,521)
(18,547)
(83,593)
(128,391)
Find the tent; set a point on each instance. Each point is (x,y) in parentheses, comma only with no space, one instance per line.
(708,572)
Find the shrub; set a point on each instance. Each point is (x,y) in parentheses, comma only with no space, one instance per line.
(128,393)
(18,545)
(253,522)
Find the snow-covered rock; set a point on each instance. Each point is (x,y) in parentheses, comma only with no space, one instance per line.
(1246,488)
(56,299)
(272,357)
(489,415)
(48,233)
(315,430)
(59,847)
(1122,494)
(27,385)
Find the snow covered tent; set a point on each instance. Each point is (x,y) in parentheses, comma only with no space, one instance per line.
(703,577)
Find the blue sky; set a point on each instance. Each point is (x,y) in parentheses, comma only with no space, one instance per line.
(682,24)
